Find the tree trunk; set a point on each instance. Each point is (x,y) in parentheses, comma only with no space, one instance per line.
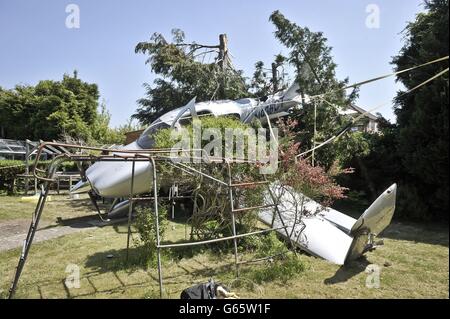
(274,78)
(223,62)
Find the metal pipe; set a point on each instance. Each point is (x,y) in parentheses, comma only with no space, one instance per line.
(155,195)
(250,183)
(160,197)
(244,209)
(260,259)
(140,155)
(28,241)
(281,219)
(215,240)
(130,209)
(233,219)
(203,174)
(34,224)
(27,165)
(134,155)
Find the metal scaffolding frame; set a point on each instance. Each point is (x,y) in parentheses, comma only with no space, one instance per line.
(154,156)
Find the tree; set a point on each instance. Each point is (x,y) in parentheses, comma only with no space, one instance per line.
(184,74)
(378,168)
(315,71)
(49,110)
(262,84)
(102,133)
(422,117)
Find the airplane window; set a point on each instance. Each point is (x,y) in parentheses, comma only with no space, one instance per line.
(146,140)
(244,101)
(187,119)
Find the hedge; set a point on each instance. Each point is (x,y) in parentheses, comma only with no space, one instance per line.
(10,168)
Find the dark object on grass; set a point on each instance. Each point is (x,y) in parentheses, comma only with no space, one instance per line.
(209,290)
(200,291)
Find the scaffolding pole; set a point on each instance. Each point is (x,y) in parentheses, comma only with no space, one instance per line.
(153,156)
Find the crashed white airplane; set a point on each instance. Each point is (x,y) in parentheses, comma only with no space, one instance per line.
(321,231)
(325,232)
(113,179)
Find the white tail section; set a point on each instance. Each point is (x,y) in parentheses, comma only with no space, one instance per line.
(379,215)
(292,92)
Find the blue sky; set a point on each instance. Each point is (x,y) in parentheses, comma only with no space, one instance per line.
(36,44)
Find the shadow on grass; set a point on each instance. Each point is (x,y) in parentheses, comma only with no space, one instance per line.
(87,204)
(428,233)
(115,260)
(148,281)
(90,278)
(138,258)
(347,271)
(77,222)
(419,233)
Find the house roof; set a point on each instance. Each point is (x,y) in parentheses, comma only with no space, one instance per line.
(362,111)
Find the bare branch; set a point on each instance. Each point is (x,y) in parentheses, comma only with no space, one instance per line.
(197,46)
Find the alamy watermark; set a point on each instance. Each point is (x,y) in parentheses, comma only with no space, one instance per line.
(373,277)
(73,17)
(233,144)
(73,276)
(373,17)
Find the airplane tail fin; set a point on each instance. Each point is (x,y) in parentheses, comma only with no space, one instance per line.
(292,92)
(372,222)
(119,210)
(379,215)
(81,187)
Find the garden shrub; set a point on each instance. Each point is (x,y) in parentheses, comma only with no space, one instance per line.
(10,168)
(282,270)
(145,223)
(212,217)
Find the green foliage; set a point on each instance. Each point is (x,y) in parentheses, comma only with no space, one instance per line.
(8,171)
(212,217)
(310,55)
(281,270)
(102,133)
(354,145)
(263,245)
(145,223)
(166,138)
(49,110)
(378,168)
(262,84)
(58,110)
(68,166)
(414,151)
(184,74)
(422,117)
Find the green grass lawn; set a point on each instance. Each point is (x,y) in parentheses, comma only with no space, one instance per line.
(57,206)
(413,263)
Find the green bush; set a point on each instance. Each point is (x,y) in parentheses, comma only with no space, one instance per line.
(264,245)
(281,270)
(8,171)
(212,218)
(10,168)
(145,223)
